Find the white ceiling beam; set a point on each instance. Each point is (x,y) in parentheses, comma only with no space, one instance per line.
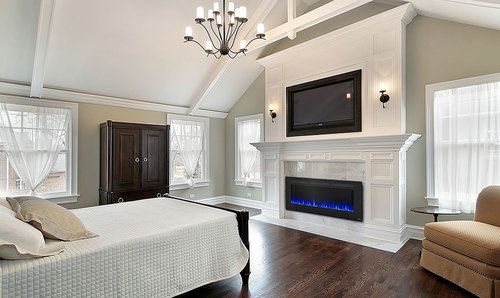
(309,19)
(292,14)
(47,8)
(12,89)
(221,67)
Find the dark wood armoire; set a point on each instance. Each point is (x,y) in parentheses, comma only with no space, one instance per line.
(133,161)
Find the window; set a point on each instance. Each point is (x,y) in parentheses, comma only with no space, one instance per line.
(248,129)
(463,140)
(25,120)
(189,143)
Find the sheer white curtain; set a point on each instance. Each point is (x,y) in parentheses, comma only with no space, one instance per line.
(189,137)
(248,132)
(33,148)
(466,144)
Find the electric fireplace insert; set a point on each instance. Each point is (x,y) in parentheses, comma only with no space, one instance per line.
(335,198)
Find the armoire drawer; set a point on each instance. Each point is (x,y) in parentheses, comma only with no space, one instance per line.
(128,196)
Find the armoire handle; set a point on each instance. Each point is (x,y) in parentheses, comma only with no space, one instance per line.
(145,159)
(137,159)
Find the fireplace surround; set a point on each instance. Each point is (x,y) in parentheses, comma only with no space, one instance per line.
(335,198)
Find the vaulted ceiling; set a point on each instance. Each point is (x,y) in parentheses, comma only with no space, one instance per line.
(128,52)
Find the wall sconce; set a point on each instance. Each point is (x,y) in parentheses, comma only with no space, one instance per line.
(383,97)
(272,113)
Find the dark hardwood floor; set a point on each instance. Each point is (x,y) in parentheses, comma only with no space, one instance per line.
(290,263)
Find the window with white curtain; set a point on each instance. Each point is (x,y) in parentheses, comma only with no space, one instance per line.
(248,129)
(463,140)
(189,154)
(38,149)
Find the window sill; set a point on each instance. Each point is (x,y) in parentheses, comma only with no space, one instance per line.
(62,199)
(257,184)
(185,185)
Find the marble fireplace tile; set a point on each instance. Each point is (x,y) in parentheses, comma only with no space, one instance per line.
(355,171)
(329,170)
(297,169)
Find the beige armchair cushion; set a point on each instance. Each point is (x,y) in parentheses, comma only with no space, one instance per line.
(54,221)
(474,239)
(488,206)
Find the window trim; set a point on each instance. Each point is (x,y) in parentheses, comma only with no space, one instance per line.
(71,195)
(429,119)
(204,182)
(238,180)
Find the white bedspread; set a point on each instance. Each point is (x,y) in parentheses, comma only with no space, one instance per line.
(149,248)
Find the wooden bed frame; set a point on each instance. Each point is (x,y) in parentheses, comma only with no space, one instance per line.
(242,216)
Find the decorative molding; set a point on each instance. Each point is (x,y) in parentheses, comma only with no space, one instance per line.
(372,143)
(309,19)
(404,13)
(212,201)
(14,89)
(244,202)
(415,232)
(47,8)
(79,97)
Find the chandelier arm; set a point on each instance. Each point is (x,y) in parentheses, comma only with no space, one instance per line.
(255,38)
(235,35)
(223,41)
(233,30)
(230,32)
(215,34)
(192,40)
(210,36)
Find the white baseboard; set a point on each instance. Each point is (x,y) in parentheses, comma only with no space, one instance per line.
(213,200)
(415,232)
(244,202)
(231,200)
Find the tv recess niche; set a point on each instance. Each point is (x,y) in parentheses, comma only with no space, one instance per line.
(325,106)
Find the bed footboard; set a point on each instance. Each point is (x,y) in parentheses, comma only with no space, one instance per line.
(242,216)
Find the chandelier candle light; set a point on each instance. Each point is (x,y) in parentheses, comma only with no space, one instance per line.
(222,30)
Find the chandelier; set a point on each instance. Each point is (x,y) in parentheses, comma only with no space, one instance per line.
(222,28)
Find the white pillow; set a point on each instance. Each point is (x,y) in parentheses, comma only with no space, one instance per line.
(3,202)
(20,240)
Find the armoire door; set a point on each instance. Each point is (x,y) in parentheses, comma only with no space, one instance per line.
(126,159)
(153,158)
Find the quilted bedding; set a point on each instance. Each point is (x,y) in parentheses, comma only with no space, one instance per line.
(148,248)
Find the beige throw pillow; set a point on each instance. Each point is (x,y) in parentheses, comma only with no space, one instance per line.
(19,240)
(54,221)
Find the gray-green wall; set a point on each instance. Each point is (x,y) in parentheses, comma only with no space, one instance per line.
(439,51)
(252,102)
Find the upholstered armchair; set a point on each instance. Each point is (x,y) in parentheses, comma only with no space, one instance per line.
(467,253)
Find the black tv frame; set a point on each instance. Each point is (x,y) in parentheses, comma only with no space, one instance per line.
(341,126)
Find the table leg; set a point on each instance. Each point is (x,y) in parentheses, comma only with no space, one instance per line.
(435,217)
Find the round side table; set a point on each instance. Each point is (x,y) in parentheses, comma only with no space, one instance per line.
(436,211)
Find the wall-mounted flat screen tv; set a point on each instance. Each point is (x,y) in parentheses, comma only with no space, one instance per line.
(325,106)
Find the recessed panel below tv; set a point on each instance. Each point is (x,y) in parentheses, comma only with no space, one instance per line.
(330,105)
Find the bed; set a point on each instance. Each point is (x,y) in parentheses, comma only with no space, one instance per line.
(158,247)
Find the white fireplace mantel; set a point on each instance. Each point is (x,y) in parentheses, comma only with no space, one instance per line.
(378,162)
(390,142)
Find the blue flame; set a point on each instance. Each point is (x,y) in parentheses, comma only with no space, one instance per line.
(341,206)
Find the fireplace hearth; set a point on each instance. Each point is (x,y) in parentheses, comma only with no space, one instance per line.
(335,198)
